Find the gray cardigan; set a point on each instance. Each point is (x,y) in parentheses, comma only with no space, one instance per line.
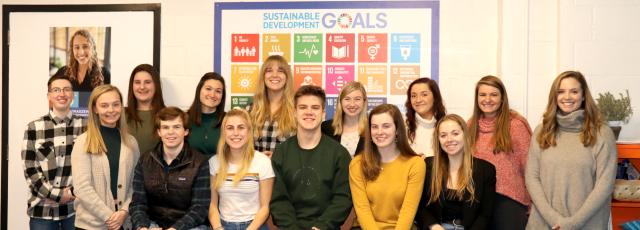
(91,181)
(570,184)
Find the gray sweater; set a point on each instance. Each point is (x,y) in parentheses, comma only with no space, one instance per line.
(570,184)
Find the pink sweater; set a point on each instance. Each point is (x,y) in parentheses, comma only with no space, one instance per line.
(510,167)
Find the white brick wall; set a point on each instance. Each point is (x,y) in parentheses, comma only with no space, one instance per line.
(601,39)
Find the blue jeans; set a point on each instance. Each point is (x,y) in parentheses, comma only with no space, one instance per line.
(199,227)
(65,224)
(452,226)
(240,225)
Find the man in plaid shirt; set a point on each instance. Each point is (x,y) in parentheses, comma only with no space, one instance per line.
(46,155)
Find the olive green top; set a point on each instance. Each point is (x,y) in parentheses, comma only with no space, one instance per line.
(144,131)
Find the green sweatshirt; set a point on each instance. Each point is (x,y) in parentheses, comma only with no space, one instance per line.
(205,137)
(311,186)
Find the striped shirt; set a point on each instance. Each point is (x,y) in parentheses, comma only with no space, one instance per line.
(46,158)
(241,203)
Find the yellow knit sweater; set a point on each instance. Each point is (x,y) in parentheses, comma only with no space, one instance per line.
(391,200)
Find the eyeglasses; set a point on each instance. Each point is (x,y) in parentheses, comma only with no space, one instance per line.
(59,90)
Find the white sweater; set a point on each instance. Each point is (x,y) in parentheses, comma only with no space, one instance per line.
(423,142)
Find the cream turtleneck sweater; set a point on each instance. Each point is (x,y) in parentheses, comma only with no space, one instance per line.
(423,142)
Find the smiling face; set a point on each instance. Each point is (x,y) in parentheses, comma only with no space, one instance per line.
(82,49)
(309,112)
(60,95)
(383,130)
(489,100)
(570,95)
(109,108)
(143,86)
(353,103)
(275,77)
(451,137)
(422,99)
(211,95)
(172,133)
(236,132)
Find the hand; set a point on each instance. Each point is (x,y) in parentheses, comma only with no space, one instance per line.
(556,227)
(66,196)
(436,227)
(314,228)
(268,153)
(116,220)
(422,155)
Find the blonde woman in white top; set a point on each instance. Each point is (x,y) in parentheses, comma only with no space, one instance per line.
(241,178)
(350,120)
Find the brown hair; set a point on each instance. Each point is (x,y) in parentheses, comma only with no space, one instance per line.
(438,106)
(94,66)
(170,113)
(157,102)
(371,159)
(195,111)
(501,138)
(310,90)
(592,117)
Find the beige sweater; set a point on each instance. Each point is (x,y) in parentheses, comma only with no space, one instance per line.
(571,184)
(94,202)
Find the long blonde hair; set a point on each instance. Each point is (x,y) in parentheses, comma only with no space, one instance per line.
(224,151)
(362,118)
(261,111)
(592,117)
(95,143)
(440,167)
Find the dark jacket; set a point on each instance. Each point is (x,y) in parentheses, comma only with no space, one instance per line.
(476,215)
(175,195)
(328,130)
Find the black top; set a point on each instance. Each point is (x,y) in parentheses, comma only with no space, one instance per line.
(86,86)
(452,207)
(111,138)
(475,215)
(328,130)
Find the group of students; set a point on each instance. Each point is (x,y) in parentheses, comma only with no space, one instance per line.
(280,162)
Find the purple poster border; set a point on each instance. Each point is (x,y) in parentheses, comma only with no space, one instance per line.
(434,5)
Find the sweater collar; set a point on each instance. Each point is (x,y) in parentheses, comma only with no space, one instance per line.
(487,124)
(424,122)
(571,122)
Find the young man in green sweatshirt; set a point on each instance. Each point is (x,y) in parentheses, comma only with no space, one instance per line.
(311,189)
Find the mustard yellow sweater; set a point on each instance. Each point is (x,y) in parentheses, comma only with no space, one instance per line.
(391,200)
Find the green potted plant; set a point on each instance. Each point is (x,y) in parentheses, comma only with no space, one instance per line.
(616,111)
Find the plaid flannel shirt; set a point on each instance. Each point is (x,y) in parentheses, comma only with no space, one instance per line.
(46,158)
(269,138)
